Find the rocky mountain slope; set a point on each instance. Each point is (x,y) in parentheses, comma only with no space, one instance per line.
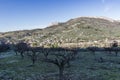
(82,29)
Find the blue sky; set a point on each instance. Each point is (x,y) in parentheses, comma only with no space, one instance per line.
(31,14)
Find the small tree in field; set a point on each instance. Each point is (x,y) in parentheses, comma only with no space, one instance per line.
(115,47)
(114,44)
(116,50)
(4,48)
(60,58)
(21,48)
(34,52)
(109,49)
(92,49)
(14,48)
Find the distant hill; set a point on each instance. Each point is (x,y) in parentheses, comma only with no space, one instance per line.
(82,29)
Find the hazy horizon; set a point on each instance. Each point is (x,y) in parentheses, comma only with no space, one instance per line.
(32,14)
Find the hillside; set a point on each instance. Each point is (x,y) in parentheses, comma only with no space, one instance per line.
(82,29)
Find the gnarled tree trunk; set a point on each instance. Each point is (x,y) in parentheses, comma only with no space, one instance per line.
(61,76)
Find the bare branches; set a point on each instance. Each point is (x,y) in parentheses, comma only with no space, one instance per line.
(60,57)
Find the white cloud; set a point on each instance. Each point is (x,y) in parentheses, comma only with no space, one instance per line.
(107,8)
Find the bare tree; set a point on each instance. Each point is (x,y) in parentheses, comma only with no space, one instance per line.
(92,49)
(109,49)
(116,50)
(33,53)
(60,57)
(4,47)
(14,48)
(21,48)
(115,47)
(114,44)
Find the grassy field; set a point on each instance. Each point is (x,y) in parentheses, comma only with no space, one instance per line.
(86,67)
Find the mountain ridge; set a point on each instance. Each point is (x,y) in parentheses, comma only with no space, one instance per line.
(96,17)
(72,31)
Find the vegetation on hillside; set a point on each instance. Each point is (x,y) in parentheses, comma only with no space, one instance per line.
(83,29)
